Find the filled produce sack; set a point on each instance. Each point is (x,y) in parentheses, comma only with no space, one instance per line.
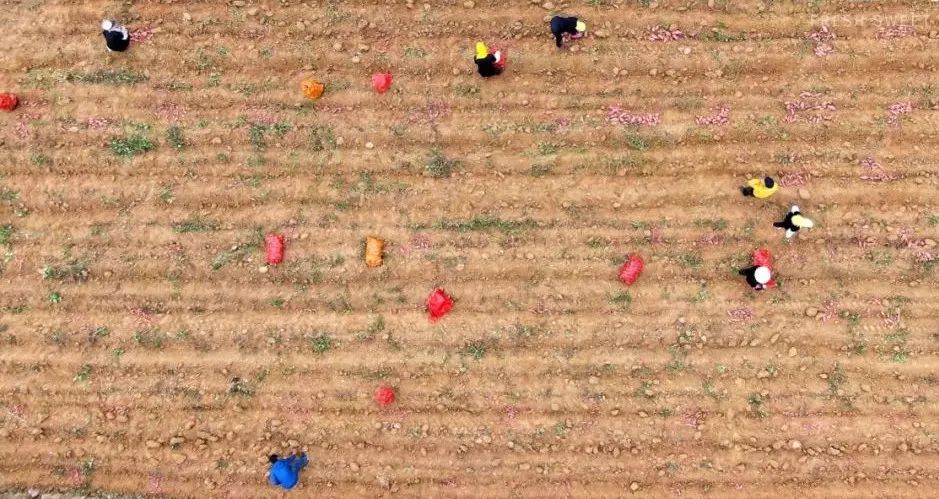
(8,102)
(439,304)
(313,89)
(381,82)
(274,248)
(630,270)
(384,396)
(374,251)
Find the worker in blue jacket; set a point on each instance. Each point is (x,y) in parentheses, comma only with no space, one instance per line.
(286,472)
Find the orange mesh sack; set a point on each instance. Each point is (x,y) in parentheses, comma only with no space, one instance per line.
(313,89)
(374,251)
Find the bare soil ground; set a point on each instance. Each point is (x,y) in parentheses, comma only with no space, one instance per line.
(136,187)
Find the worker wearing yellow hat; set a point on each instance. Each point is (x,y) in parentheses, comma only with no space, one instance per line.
(567,25)
(488,64)
(793,222)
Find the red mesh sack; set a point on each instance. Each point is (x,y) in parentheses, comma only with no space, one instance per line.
(762,258)
(274,248)
(630,270)
(503,57)
(439,304)
(381,82)
(8,102)
(384,396)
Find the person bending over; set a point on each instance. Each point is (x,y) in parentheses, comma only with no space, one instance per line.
(566,25)
(116,36)
(488,64)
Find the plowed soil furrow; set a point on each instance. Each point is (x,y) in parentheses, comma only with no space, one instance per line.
(147,350)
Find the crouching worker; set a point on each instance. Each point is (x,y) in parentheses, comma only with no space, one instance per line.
(793,222)
(488,64)
(286,472)
(561,26)
(115,36)
(760,188)
(759,278)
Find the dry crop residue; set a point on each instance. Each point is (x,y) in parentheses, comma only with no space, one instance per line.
(146,348)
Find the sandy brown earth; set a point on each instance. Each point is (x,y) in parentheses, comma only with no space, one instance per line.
(135,189)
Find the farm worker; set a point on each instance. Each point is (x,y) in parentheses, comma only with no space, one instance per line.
(760,188)
(286,472)
(487,64)
(793,222)
(759,278)
(115,36)
(570,25)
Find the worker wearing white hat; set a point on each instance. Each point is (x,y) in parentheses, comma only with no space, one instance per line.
(759,278)
(116,36)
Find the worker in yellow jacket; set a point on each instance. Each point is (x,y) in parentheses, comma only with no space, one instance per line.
(760,188)
(488,64)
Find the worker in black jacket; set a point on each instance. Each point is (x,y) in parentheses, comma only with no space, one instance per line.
(488,64)
(115,36)
(759,278)
(570,25)
(793,222)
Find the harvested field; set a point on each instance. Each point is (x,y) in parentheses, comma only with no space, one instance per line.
(147,350)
